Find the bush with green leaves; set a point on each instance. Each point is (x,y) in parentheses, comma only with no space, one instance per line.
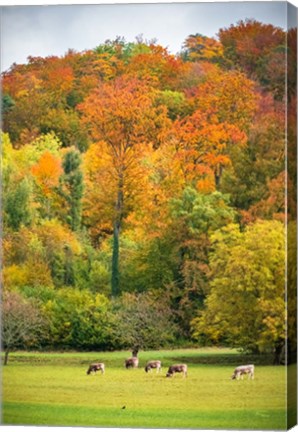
(80,320)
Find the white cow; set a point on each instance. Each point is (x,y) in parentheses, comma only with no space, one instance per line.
(240,371)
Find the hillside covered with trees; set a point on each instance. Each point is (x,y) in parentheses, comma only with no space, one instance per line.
(144,194)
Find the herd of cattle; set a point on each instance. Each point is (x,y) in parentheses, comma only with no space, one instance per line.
(133,362)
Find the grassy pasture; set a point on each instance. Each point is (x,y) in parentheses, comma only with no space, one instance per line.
(53,389)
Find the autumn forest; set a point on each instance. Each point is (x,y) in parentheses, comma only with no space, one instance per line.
(144,194)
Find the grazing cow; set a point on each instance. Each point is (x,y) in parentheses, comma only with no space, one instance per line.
(240,371)
(94,367)
(154,364)
(132,362)
(177,368)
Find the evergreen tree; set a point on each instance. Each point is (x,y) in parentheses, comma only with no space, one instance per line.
(71,188)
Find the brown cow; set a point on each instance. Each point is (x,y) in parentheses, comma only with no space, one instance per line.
(132,362)
(180,368)
(94,367)
(153,364)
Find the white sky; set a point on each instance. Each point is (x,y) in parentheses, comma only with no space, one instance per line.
(52,30)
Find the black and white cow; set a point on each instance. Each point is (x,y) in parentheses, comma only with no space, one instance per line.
(179,368)
(240,371)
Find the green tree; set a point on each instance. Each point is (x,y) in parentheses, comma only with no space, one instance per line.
(175,258)
(176,103)
(17,205)
(149,263)
(80,320)
(246,305)
(71,188)
(195,217)
(16,188)
(7,103)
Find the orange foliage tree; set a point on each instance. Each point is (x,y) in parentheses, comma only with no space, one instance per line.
(122,115)
(259,50)
(203,149)
(47,172)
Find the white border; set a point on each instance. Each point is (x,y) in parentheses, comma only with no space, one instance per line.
(89,429)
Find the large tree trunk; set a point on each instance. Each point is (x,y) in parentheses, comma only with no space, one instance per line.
(116,236)
(135,351)
(6,357)
(115,261)
(217,176)
(279,352)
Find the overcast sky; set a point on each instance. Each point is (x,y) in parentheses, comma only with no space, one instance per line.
(52,30)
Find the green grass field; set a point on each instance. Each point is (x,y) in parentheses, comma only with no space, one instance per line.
(53,389)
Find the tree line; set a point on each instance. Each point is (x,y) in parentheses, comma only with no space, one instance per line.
(144,193)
